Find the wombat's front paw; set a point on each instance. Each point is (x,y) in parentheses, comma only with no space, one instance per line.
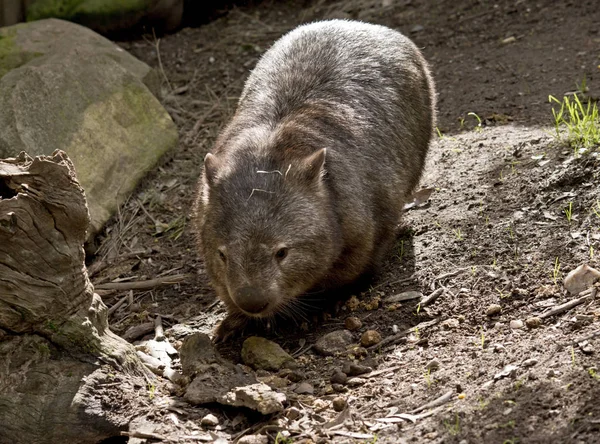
(231,327)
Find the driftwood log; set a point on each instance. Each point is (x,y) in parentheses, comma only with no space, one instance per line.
(57,355)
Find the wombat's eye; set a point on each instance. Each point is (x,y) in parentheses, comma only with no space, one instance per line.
(222,256)
(281,253)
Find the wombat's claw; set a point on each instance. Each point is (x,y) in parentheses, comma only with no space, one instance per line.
(229,328)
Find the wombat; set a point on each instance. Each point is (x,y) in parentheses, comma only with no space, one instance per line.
(304,188)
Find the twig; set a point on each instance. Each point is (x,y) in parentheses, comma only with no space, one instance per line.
(400,336)
(433,297)
(138,331)
(159,333)
(101,264)
(436,402)
(584,296)
(144,285)
(144,435)
(115,307)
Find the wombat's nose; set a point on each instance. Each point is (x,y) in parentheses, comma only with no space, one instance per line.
(251,300)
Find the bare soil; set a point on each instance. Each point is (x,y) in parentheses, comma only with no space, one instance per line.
(493,232)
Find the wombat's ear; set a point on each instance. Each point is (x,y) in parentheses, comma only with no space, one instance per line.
(211,167)
(314,164)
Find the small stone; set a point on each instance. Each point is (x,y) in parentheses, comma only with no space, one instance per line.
(334,342)
(339,378)
(339,388)
(355,382)
(508,371)
(352,323)
(586,347)
(339,404)
(292,413)
(353,303)
(357,351)
(493,310)
(328,390)
(254,439)
(497,348)
(450,324)
(581,279)
(305,388)
(516,324)
(260,353)
(433,365)
(533,322)
(530,362)
(508,40)
(403,297)
(552,373)
(369,338)
(292,375)
(352,369)
(210,420)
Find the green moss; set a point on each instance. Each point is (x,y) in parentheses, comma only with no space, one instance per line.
(63,9)
(84,11)
(11,56)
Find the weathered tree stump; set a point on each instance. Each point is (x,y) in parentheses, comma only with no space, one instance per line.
(57,355)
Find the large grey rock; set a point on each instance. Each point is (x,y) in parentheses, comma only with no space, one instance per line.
(65,87)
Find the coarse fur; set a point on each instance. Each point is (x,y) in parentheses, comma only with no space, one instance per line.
(304,188)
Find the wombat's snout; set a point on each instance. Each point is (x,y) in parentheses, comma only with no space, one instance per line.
(252,300)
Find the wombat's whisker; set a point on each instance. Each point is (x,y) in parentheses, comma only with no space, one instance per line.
(269,172)
(259,190)
(287,171)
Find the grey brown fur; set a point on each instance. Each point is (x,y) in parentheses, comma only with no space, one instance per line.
(305,186)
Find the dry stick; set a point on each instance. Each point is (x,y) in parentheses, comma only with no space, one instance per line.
(584,296)
(144,435)
(399,336)
(101,264)
(433,297)
(159,333)
(439,401)
(115,307)
(144,285)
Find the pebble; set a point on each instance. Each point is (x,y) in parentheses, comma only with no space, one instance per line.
(433,365)
(497,348)
(508,371)
(339,377)
(352,323)
(403,297)
(339,404)
(352,369)
(370,338)
(586,347)
(305,388)
(339,388)
(210,420)
(493,310)
(334,342)
(254,439)
(353,303)
(533,322)
(260,353)
(355,382)
(292,413)
(530,362)
(516,324)
(450,324)
(581,279)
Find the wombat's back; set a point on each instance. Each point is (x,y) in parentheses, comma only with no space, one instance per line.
(372,77)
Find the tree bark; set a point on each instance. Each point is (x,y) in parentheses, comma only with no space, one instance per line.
(57,354)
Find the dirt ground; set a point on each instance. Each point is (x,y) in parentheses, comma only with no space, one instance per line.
(494,231)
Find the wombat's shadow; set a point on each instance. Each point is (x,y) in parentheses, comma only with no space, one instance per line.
(322,312)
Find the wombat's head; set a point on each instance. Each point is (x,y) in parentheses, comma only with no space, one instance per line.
(268,231)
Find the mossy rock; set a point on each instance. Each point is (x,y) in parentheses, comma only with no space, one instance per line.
(62,86)
(108,16)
